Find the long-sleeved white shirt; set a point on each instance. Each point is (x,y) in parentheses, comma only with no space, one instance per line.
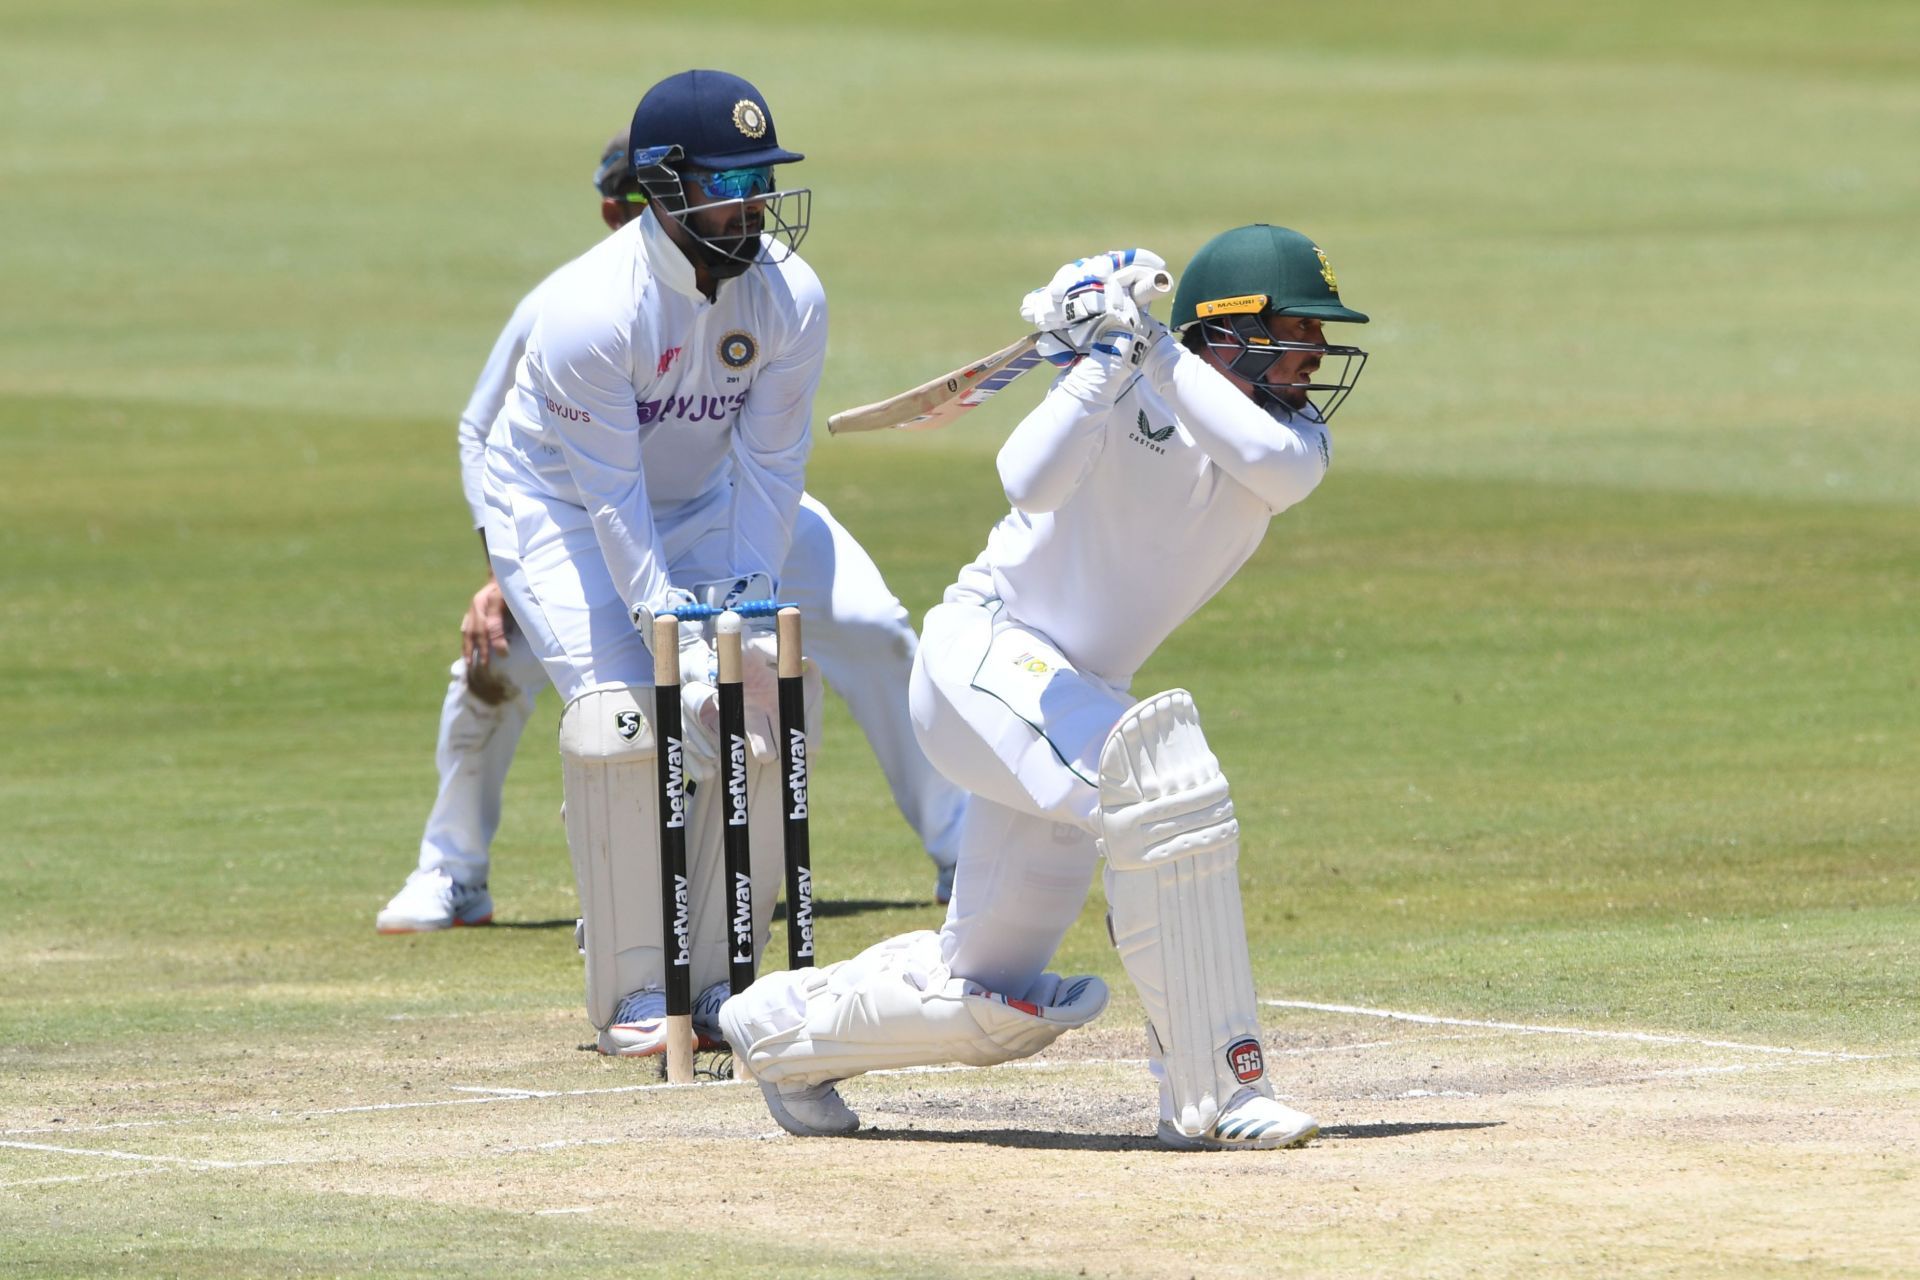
(639,401)
(483,406)
(1129,513)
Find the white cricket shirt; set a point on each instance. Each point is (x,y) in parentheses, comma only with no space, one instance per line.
(1128,516)
(642,403)
(483,406)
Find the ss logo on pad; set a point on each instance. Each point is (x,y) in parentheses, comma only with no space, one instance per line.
(1246,1061)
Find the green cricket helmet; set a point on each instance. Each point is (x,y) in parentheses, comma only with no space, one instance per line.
(1240,278)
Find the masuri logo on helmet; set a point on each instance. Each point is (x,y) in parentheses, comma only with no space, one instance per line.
(1260,268)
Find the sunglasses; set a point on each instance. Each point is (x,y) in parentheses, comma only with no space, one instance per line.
(732,184)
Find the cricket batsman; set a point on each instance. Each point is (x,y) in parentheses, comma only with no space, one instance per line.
(858,634)
(1142,482)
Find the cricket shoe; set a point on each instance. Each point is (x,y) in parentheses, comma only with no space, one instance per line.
(1250,1122)
(812,1111)
(805,1111)
(639,1026)
(433,900)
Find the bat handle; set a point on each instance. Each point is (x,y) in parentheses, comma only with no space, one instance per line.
(1144,284)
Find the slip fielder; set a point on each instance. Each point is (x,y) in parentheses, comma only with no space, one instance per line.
(1021,696)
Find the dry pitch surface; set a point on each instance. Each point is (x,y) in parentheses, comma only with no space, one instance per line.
(1448,1148)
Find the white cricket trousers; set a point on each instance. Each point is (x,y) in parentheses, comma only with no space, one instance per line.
(1005,716)
(857,632)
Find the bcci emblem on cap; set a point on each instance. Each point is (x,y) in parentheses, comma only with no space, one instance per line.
(1245,1060)
(749,119)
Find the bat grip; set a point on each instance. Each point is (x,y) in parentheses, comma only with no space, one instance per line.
(1144,284)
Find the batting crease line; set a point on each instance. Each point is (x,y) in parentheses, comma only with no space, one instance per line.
(492,1093)
(1641,1037)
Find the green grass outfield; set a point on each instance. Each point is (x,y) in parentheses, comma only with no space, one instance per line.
(1584,692)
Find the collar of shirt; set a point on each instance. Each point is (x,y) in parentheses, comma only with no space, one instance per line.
(670,266)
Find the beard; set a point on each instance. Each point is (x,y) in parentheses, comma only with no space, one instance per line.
(1292,399)
(729,256)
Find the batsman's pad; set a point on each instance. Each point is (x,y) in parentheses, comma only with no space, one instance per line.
(1173,892)
(896,1005)
(607,752)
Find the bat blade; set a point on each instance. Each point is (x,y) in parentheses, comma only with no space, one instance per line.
(938,402)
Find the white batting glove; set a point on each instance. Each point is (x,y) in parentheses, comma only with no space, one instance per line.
(1100,373)
(1084,300)
(1078,290)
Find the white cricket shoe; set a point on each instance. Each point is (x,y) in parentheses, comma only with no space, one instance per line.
(1250,1122)
(433,900)
(639,1026)
(805,1111)
(812,1111)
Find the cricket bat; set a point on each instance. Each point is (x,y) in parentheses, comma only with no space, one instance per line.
(938,402)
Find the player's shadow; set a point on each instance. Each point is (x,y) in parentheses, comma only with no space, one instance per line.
(834,908)
(1403,1130)
(1017,1139)
(1033,1140)
(823,908)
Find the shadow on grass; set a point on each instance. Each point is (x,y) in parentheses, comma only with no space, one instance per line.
(829,909)
(1403,1130)
(1018,1139)
(824,909)
(1023,1139)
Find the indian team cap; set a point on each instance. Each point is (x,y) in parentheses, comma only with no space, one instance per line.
(1260,268)
(718,121)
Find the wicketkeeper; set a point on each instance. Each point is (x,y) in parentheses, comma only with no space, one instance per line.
(650,455)
(858,633)
(1141,483)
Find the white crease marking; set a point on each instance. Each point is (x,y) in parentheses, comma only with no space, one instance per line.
(510,1093)
(190,1162)
(97,1153)
(1640,1037)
